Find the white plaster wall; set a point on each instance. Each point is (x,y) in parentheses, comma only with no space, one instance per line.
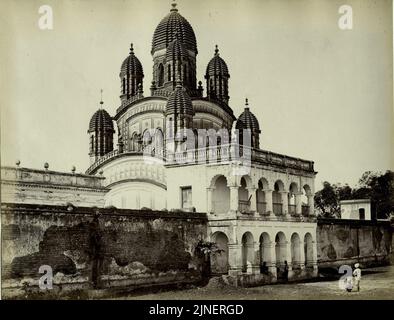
(133,167)
(194,176)
(135,182)
(200,177)
(45,194)
(350,210)
(136,195)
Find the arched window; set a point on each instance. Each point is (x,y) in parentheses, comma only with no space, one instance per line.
(184,74)
(170,132)
(158,141)
(134,142)
(169,73)
(161,75)
(91,144)
(124,86)
(146,138)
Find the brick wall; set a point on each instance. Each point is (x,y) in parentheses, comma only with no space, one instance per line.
(350,241)
(99,248)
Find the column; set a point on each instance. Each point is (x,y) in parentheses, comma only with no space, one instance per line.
(253,203)
(210,208)
(257,257)
(288,253)
(288,259)
(234,259)
(311,204)
(302,256)
(314,262)
(268,200)
(285,202)
(298,203)
(233,198)
(250,258)
(272,264)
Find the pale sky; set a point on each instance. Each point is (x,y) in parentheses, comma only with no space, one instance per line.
(319,93)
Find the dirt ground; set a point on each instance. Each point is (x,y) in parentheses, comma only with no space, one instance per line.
(376,284)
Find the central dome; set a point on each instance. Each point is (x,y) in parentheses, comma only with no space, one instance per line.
(174,25)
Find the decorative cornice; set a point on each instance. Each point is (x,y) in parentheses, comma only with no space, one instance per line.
(133,103)
(200,103)
(35,209)
(43,185)
(151,181)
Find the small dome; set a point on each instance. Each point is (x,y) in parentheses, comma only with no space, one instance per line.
(131,65)
(101,121)
(217,65)
(171,24)
(247,120)
(176,51)
(179,102)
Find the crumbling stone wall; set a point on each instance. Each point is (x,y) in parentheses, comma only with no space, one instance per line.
(349,241)
(99,248)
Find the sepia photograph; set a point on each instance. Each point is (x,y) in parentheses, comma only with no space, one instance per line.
(188,150)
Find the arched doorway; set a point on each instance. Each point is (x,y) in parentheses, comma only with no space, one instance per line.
(265,252)
(221,195)
(219,260)
(247,252)
(308,250)
(295,250)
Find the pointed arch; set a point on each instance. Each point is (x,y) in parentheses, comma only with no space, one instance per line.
(219,260)
(169,72)
(160,77)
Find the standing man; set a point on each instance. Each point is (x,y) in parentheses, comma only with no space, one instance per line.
(357,277)
(286,271)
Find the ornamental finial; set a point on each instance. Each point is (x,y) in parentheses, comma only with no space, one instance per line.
(131,48)
(101,97)
(216,50)
(173,6)
(246,104)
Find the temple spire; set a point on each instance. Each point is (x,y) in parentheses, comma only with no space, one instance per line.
(101,98)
